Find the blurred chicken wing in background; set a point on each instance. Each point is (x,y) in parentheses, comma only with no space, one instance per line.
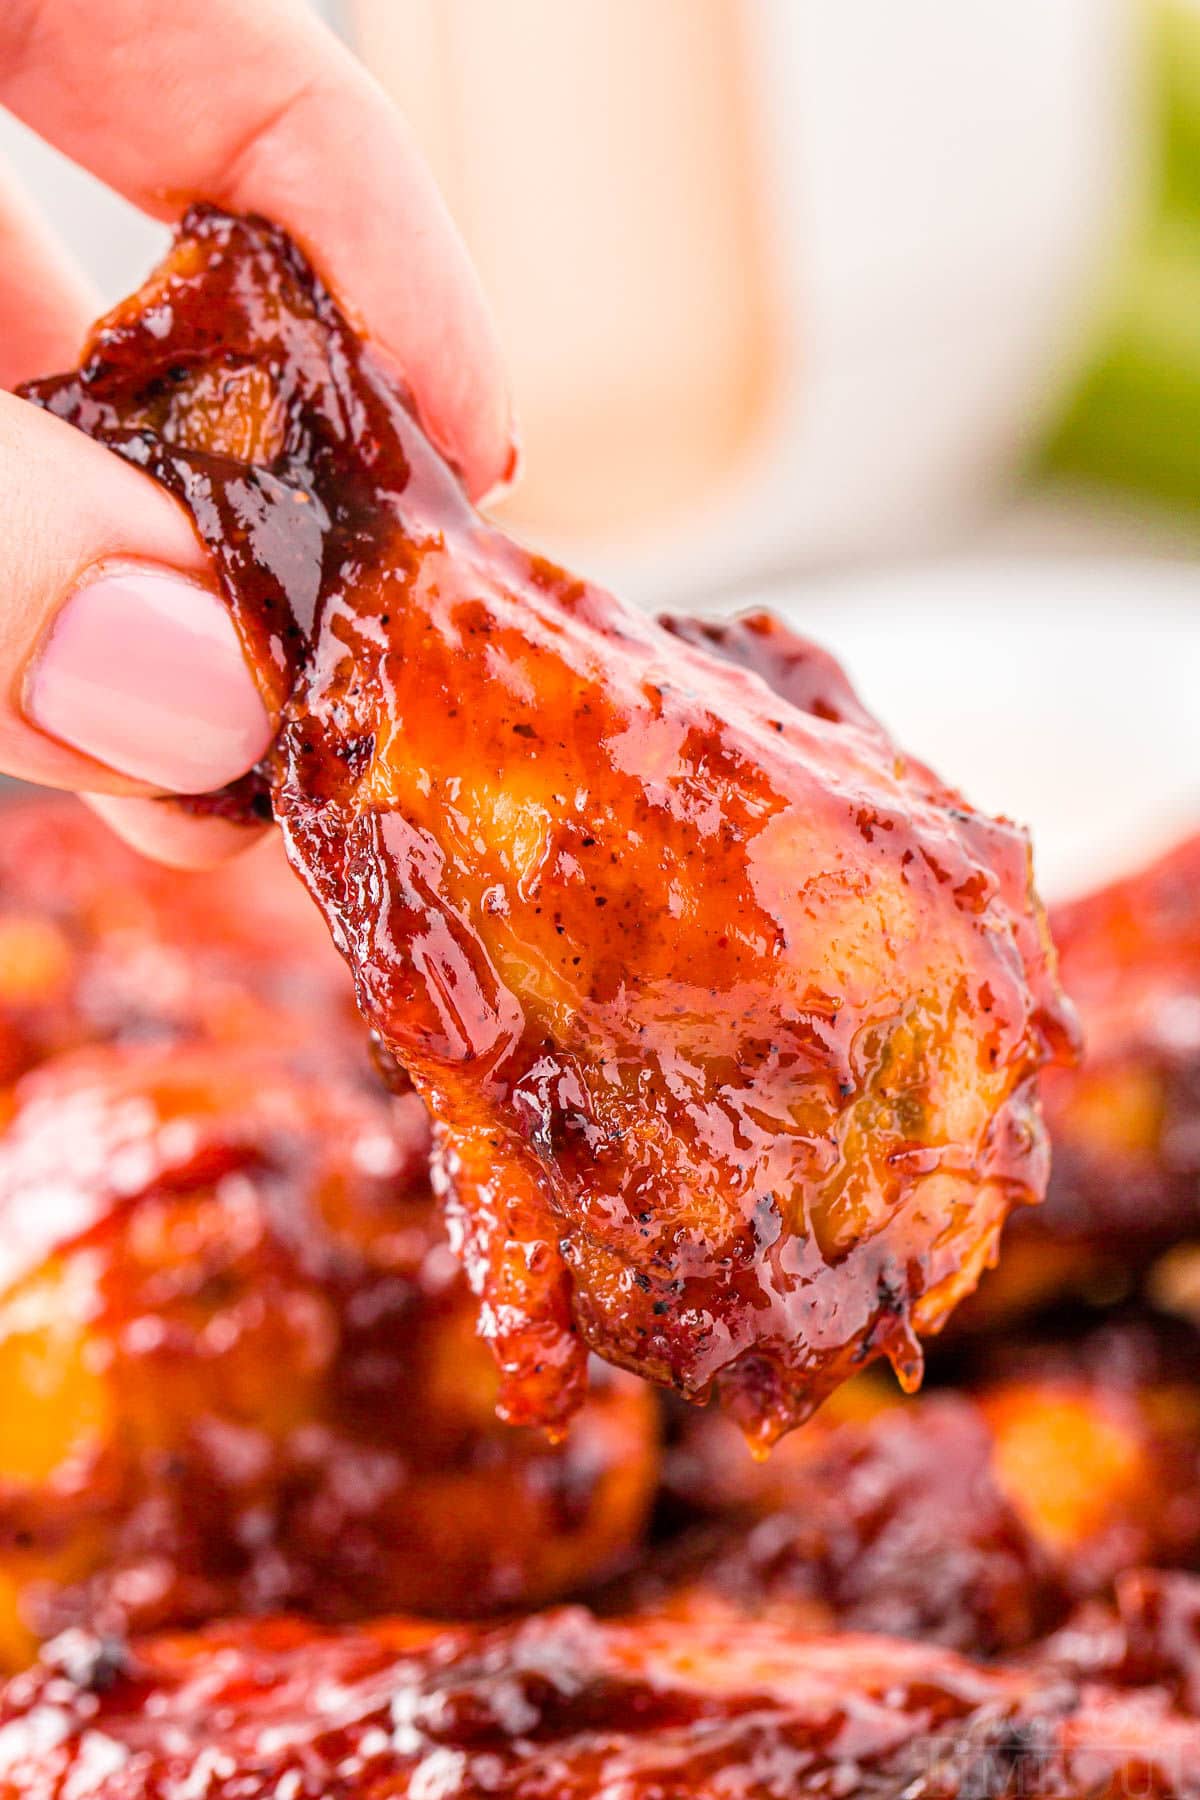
(1125,1124)
(973,1516)
(98,945)
(565,1707)
(241,1372)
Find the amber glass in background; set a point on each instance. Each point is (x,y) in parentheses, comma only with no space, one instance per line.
(601,158)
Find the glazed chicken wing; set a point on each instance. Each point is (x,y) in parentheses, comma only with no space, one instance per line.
(729,1017)
(973,1518)
(98,945)
(1149,1636)
(563,1708)
(1125,1124)
(895,1524)
(240,1372)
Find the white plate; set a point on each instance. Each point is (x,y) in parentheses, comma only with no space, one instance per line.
(1062,692)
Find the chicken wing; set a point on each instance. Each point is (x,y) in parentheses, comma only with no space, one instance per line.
(563,1708)
(729,1017)
(1148,1636)
(240,1369)
(1125,1125)
(896,1525)
(974,1518)
(98,945)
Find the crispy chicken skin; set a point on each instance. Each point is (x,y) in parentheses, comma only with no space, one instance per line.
(98,945)
(729,1017)
(973,1518)
(563,1708)
(1125,1124)
(240,1372)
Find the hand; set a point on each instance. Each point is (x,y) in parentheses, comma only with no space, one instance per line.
(121,675)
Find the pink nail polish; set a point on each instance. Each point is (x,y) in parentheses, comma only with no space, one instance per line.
(144,672)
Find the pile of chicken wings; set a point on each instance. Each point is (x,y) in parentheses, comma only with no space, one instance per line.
(445,1331)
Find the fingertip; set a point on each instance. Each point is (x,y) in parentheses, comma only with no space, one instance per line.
(303,136)
(143,670)
(161,829)
(460,386)
(462,401)
(507,473)
(46,302)
(391,254)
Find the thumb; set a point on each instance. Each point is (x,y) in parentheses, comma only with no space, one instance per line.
(120,669)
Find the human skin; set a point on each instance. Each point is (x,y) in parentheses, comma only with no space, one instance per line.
(260,107)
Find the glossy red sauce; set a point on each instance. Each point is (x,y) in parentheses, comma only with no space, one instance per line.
(1125,1124)
(729,1017)
(99,945)
(562,1708)
(240,1372)
(896,1525)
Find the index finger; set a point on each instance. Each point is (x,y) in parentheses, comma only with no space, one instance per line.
(258,108)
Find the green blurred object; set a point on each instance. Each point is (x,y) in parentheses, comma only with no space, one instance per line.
(1134,419)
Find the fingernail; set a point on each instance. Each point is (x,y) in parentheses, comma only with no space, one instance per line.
(144,672)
